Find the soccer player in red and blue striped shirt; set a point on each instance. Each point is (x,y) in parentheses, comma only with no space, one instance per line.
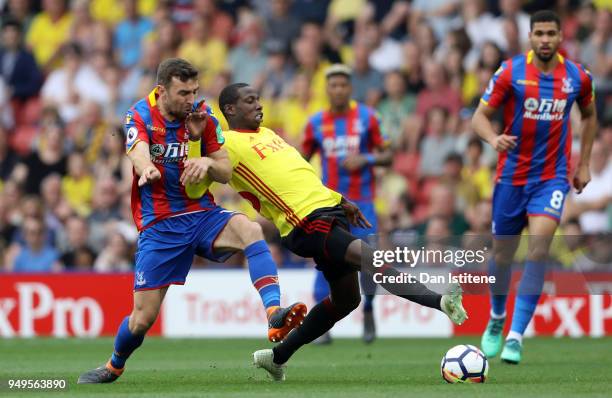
(163,133)
(537,91)
(350,141)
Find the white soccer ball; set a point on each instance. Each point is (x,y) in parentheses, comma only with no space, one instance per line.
(464,364)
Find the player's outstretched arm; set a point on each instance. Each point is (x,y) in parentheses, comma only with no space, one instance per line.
(141,160)
(588,130)
(481,123)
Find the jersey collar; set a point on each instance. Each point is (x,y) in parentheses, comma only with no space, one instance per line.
(531,54)
(248,131)
(351,108)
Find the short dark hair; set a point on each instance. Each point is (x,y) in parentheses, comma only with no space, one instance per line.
(229,95)
(544,16)
(175,67)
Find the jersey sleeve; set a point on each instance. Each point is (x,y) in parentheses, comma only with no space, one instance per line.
(377,137)
(134,129)
(213,134)
(587,88)
(309,143)
(499,86)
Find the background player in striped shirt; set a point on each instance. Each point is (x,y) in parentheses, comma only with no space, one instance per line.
(350,142)
(160,131)
(313,222)
(537,91)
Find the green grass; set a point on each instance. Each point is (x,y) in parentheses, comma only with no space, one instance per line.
(347,368)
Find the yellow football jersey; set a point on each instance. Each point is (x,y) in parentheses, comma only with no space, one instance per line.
(273,176)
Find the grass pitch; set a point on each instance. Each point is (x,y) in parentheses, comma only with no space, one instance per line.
(347,368)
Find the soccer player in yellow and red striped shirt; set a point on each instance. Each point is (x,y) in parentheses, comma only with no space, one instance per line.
(313,221)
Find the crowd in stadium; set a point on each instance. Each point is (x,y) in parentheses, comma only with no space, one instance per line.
(69,70)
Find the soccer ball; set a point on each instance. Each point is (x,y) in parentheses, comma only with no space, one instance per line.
(464,364)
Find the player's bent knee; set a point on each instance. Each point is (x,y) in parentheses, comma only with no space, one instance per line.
(251,232)
(348,304)
(141,322)
(537,254)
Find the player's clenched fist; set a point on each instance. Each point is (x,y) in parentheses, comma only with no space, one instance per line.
(581,178)
(195,170)
(195,123)
(149,174)
(504,142)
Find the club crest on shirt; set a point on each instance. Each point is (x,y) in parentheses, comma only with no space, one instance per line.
(567,85)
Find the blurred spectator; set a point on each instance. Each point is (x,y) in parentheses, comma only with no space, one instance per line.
(437,144)
(67,87)
(130,33)
(13,194)
(591,205)
(309,61)
(115,257)
(77,186)
(438,13)
(7,228)
(395,106)
(295,109)
(89,131)
(140,78)
(596,53)
(442,204)
(167,37)
(37,255)
(78,255)
(479,235)
(19,10)
(425,40)
(112,11)
(106,209)
(19,69)
(278,73)
(391,15)
(465,192)
(8,158)
(83,29)
(438,93)
(280,25)
(411,67)
(475,172)
(111,161)
(220,22)
(313,32)
(510,10)
(386,53)
(54,203)
(477,21)
(50,29)
(207,53)
(367,82)
(49,157)
(247,61)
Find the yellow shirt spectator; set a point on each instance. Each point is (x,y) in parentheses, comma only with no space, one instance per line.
(45,36)
(78,193)
(112,11)
(208,57)
(480,179)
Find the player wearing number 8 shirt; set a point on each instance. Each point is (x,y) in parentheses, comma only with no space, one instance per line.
(537,91)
